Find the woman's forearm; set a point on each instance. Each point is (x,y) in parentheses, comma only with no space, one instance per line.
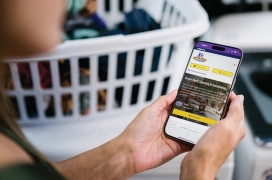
(108,161)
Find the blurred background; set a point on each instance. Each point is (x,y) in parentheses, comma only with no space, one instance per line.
(118,56)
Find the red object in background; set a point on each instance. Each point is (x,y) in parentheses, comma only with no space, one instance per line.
(45,75)
(25,75)
(44,72)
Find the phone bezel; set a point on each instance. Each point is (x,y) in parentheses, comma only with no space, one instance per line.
(225,108)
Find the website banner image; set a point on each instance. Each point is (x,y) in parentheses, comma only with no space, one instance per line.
(200,100)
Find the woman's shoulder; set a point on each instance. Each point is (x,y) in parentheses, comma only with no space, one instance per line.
(11,153)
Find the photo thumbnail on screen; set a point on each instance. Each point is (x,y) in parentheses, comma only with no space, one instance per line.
(200,100)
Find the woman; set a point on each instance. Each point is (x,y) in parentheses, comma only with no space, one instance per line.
(33,26)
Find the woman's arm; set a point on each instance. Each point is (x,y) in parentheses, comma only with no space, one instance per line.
(111,160)
(141,146)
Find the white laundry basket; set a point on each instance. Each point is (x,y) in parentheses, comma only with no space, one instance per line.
(182,20)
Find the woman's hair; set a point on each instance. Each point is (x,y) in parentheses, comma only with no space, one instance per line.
(7,113)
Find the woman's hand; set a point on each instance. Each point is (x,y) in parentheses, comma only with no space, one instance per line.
(141,146)
(145,138)
(215,146)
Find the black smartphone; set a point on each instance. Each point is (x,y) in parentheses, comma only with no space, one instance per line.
(204,91)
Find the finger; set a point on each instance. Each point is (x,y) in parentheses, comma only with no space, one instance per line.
(236,110)
(164,101)
(168,107)
(231,98)
(182,147)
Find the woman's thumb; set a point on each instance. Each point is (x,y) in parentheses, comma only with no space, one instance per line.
(165,100)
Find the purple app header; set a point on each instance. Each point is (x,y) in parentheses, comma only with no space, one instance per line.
(228,51)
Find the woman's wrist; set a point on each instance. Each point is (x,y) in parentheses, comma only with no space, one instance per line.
(111,160)
(121,158)
(194,167)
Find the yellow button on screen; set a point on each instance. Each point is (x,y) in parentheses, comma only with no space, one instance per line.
(194,117)
(198,66)
(222,72)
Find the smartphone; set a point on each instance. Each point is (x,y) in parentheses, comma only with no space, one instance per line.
(204,91)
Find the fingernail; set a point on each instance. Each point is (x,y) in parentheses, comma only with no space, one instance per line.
(240,99)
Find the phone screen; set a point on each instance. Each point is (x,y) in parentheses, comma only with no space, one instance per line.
(204,91)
